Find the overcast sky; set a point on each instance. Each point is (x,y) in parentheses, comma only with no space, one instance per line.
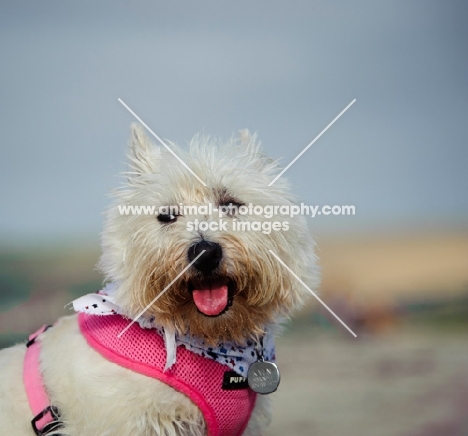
(283,69)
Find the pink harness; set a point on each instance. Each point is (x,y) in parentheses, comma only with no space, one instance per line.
(46,417)
(226,412)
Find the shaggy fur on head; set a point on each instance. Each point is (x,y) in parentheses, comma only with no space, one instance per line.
(144,255)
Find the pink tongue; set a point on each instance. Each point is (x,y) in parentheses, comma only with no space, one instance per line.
(211,301)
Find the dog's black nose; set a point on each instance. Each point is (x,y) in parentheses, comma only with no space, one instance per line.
(209,260)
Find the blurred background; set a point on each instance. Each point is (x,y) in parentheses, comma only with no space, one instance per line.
(396,272)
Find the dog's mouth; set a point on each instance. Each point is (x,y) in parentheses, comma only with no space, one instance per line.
(212,297)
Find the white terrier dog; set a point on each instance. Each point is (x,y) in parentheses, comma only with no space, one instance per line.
(201,277)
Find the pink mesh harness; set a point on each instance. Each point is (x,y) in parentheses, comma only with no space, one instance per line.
(226,412)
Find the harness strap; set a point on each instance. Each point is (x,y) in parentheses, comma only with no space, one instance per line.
(45,415)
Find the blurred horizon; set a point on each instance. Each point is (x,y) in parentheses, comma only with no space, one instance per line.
(362,272)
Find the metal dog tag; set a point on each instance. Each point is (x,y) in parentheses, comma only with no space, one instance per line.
(263,377)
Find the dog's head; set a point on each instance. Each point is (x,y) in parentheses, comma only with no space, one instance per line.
(234,286)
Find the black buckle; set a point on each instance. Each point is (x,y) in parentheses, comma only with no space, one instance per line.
(31,341)
(54,425)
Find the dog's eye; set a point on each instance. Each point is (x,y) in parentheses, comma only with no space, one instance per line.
(232,207)
(167,218)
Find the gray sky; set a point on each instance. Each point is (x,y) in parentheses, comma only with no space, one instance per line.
(284,69)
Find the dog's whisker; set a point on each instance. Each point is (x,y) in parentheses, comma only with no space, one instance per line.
(159,295)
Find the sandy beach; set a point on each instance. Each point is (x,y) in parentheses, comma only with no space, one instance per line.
(405,383)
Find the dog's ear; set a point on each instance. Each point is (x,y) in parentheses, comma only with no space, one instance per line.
(144,156)
(248,140)
(253,147)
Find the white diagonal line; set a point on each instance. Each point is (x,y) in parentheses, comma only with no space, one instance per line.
(313,293)
(162,142)
(305,149)
(159,295)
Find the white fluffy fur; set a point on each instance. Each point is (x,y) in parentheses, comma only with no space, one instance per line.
(97,397)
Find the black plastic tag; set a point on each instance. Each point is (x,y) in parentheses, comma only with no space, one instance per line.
(233,381)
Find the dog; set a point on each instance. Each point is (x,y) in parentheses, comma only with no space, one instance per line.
(206,289)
